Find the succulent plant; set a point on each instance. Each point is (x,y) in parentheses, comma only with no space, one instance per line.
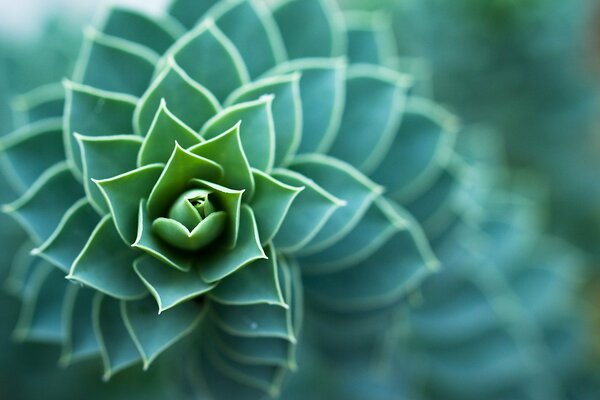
(197,171)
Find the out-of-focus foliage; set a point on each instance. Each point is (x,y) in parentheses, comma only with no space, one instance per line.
(528,68)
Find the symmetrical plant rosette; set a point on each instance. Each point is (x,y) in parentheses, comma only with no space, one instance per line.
(194,175)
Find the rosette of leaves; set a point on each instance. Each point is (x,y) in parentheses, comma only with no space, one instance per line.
(199,159)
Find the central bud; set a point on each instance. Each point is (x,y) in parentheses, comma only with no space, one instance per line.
(193,221)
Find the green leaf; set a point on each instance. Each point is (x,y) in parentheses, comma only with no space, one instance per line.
(152,32)
(375,100)
(168,286)
(41,316)
(117,349)
(29,151)
(258,351)
(80,342)
(41,208)
(210,59)
(154,333)
(326,36)
(253,321)
(271,203)
(150,243)
(221,262)
(229,201)
(214,380)
(378,225)
(286,109)
(43,102)
(263,377)
(322,92)
(65,244)
(188,100)
(181,168)
(21,269)
(392,272)
(105,157)
(180,237)
(188,12)
(370,38)
(257,130)
(297,230)
(347,184)
(113,64)
(226,150)
(92,112)
(257,283)
(424,143)
(165,131)
(251,28)
(106,264)
(122,193)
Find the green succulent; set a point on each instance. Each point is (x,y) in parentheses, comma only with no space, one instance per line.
(196,171)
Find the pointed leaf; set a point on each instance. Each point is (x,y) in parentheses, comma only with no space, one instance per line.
(92,112)
(271,203)
(81,341)
(424,143)
(168,286)
(41,316)
(106,264)
(210,59)
(222,262)
(297,229)
(191,102)
(71,235)
(378,225)
(215,381)
(226,150)
(258,351)
(263,377)
(152,32)
(252,30)
(254,284)
(105,157)
(375,100)
(322,92)
(114,64)
(257,130)
(325,38)
(42,207)
(165,131)
(182,167)
(154,333)
(31,150)
(344,182)
(116,347)
(287,110)
(261,320)
(122,194)
(396,269)
(21,268)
